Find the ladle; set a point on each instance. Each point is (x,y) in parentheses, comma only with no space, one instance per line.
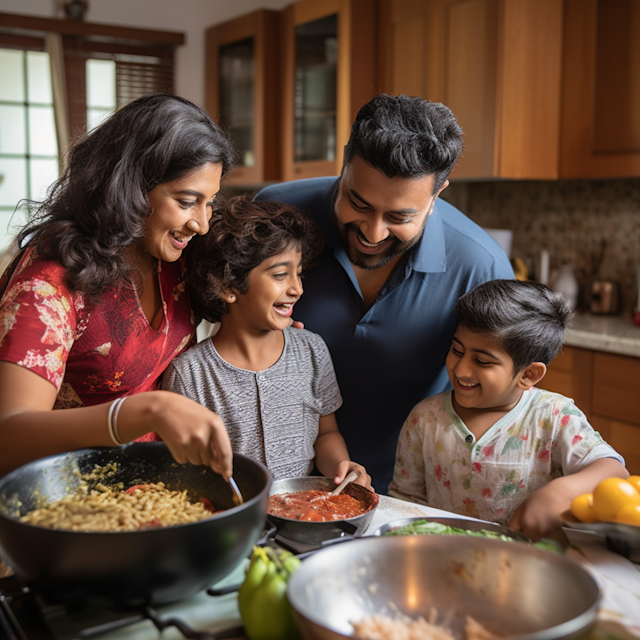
(237,496)
(351,477)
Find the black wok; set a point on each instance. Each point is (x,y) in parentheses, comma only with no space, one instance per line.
(130,568)
(319,532)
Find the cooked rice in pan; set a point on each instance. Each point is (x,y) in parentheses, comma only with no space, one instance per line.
(109,509)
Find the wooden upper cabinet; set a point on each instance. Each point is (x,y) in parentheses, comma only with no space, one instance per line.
(495,63)
(601,95)
(243,94)
(328,74)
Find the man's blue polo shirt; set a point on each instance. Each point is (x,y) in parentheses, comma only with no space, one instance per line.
(391,356)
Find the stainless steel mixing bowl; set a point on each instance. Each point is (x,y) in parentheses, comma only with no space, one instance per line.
(511,589)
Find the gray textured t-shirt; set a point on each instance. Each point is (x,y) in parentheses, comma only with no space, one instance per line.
(270,415)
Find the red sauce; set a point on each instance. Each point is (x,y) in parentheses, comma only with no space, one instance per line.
(315,506)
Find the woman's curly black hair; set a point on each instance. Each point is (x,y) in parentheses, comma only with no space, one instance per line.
(97,209)
(242,234)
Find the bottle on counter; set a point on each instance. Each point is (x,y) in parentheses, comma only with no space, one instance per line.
(566,283)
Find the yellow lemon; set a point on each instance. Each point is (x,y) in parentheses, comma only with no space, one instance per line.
(635,481)
(611,495)
(582,508)
(629,514)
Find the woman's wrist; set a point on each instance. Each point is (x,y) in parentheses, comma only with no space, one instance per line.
(139,414)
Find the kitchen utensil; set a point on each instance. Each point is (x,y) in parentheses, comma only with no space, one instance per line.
(604,296)
(621,538)
(567,284)
(511,589)
(504,237)
(318,532)
(459,523)
(130,568)
(351,477)
(237,496)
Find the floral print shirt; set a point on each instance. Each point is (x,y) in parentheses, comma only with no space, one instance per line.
(543,437)
(91,353)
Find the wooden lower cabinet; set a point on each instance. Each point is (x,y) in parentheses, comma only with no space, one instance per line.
(624,437)
(605,387)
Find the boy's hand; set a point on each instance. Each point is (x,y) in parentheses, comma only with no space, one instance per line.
(541,513)
(296,324)
(347,466)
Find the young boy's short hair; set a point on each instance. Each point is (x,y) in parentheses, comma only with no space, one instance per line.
(242,234)
(529,318)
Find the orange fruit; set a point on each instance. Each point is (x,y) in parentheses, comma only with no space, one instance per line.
(611,495)
(635,481)
(629,514)
(582,508)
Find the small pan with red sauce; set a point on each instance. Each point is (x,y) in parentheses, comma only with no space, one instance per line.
(312,506)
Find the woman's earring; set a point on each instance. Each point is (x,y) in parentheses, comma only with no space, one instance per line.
(232,298)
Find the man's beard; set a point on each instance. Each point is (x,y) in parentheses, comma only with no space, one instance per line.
(366,261)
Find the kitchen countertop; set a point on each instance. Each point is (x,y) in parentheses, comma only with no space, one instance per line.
(619,579)
(614,334)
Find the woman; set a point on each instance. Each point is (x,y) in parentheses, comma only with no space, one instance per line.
(94,307)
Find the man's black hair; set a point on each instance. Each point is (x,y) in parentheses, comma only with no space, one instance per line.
(405,136)
(527,317)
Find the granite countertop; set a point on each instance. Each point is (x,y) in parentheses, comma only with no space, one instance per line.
(614,334)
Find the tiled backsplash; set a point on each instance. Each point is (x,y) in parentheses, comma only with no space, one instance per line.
(573,219)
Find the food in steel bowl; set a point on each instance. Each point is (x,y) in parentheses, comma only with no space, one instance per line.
(510,589)
(316,506)
(450,526)
(404,628)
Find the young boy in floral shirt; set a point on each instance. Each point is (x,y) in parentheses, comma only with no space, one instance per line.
(495,447)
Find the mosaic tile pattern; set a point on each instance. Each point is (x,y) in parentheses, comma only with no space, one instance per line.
(591,224)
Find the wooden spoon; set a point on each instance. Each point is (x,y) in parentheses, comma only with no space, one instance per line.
(353,476)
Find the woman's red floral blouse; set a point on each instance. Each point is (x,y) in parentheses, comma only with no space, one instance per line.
(91,353)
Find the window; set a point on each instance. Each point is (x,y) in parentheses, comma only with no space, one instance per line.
(104,68)
(101,91)
(28,146)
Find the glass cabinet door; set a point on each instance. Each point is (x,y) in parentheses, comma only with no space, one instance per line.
(329,54)
(237,96)
(243,93)
(316,57)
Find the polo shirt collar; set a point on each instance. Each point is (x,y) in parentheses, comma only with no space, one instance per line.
(430,254)
(329,231)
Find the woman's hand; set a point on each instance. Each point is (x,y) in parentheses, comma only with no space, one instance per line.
(345,467)
(29,429)
(192,433)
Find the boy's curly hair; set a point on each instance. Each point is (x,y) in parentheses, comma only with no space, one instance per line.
(242,234)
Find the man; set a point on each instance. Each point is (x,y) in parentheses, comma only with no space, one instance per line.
(396,260)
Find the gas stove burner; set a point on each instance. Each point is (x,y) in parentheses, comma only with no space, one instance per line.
(161,624)
(24,615)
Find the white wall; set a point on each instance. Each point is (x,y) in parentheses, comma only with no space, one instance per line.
(192,17)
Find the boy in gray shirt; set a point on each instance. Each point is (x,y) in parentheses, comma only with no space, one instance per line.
(273,386)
